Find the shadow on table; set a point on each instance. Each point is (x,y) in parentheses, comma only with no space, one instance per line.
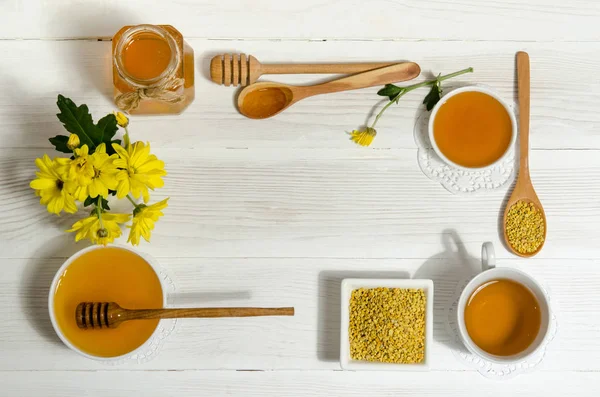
(447,269)
(35,284)
(33,120)
(329,320)
(203,64)
(505,202)
(29,141)
(204,58)
(190,299)
(91,56)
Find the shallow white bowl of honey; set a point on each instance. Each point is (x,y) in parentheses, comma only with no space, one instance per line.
(351,284)
(106,274)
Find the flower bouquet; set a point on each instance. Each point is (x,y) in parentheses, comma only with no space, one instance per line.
(99,167)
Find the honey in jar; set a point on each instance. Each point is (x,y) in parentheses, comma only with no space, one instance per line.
(153,70)
(107,274)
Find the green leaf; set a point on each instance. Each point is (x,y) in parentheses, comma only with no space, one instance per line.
(78,120)
(60,143)
(104,204)
(107,128)
(434,95)
(88,201)
(389,91)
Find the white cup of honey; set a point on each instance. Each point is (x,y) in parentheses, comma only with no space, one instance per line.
(472,128)
(106,274)
(503,313)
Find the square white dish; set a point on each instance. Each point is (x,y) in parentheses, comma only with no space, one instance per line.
(349,285)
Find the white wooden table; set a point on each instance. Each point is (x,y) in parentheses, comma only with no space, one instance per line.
(277,212)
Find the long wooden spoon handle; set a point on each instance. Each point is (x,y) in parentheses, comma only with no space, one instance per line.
(206,312)
(523,81)
(299,68)
(390,74)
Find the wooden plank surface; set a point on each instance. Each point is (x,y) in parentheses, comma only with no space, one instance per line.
(532,20)
(277,212)
(352,203)
(310,339)
(294,383)
(564,93)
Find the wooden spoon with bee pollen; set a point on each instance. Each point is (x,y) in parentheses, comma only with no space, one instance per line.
(524,190)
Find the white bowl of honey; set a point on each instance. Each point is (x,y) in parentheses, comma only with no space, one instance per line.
(106,274)
(472,128)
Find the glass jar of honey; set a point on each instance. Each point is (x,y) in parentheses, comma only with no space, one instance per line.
(153,70)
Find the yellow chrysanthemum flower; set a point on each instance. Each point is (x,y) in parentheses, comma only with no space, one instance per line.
(143,221)
(73,142)
(139,172)
(363,137)
(104,177)
(122,120)
(99,227)
(52,185)
(80,168)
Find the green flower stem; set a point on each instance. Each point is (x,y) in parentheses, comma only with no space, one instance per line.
(441,78)
(418,85)
(136,205)
(126,138)
(99,210)
(387,105)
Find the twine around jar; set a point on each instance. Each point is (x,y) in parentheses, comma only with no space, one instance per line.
(162,92)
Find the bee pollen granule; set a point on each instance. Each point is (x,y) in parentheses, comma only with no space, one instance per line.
(387,325)
(525,227)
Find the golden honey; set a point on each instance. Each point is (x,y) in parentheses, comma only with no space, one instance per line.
(472,129)
(156,64)
(108,275)
(503,317)
(265,102)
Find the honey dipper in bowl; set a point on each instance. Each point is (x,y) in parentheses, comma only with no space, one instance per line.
(99,315)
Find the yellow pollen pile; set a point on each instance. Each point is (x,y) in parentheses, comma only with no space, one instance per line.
(525,227)
(387,325)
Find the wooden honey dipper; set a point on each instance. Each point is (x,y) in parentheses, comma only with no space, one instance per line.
(111,315)
(237,69)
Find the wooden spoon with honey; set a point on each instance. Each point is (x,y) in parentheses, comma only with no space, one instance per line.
(266,99)
(522,232)
(98,315)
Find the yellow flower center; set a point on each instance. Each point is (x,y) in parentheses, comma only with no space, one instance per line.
(59,184)
(80,163)
(102,233)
